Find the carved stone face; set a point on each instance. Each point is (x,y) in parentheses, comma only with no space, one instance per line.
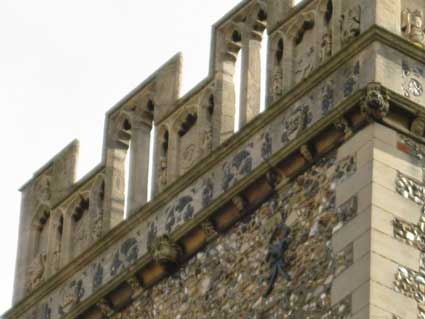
(417,20)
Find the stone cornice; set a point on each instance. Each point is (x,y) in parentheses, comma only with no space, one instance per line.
(375,34)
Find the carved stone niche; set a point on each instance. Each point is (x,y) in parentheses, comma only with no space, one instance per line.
(205,122)
(97,198)
(120,130)
(43,190)
(376,104)
(326,10)
(304,45)
(350,24)
(412,26)
(187,140)
(81,228)
(276,87)
(36,271)
(165,251)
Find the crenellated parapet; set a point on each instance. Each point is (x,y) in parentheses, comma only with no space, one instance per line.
(334,67)
(39,197)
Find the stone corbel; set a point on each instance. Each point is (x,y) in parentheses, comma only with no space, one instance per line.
(275,178)
(256,23)
(233,41)
(209,231)
(241,203)
(303,22)
(376,103)
(105,308)
(136,286)
(341,124)
(140,118)
(165,251)
(417,126)
(117,133)
(306,153)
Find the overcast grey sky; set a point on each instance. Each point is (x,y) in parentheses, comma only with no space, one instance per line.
(63,64)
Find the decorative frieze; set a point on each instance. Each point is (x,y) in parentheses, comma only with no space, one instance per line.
(229,171)
(298,119)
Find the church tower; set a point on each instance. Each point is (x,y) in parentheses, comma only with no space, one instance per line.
(314,209)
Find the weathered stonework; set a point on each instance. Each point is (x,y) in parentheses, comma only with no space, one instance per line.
(236,266)
(308,212)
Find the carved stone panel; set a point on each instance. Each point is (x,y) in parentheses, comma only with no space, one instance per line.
(188,149)
(350,24)
(412,26)
(413,79)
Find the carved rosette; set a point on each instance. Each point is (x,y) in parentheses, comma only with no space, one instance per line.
(164,250)
(376,104)
(418,126)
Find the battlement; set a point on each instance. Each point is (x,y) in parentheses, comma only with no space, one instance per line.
(333,66)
